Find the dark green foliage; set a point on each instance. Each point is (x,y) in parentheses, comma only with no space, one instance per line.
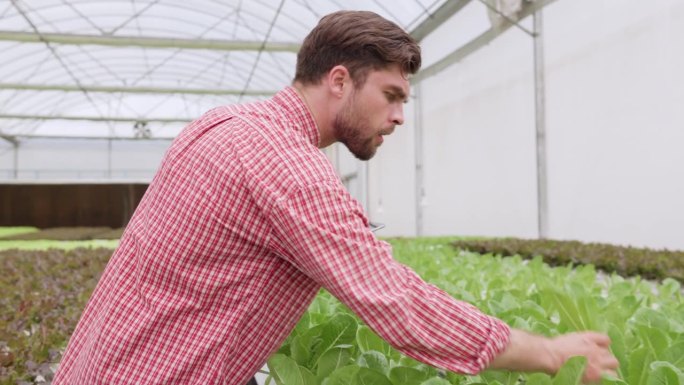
(625,261)
(43,295)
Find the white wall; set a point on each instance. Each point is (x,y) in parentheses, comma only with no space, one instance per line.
(616,121)
(478,118)
(391,180)
(79,159)
(615,127)
(6,159)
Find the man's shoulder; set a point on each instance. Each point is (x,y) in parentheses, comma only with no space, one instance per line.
(252,111)
(261,115)
(269,145)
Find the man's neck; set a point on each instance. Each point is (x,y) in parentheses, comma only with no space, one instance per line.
(316,100)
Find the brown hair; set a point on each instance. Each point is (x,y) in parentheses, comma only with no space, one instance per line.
(358,40)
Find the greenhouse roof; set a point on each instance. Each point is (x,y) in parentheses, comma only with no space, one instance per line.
(116,68)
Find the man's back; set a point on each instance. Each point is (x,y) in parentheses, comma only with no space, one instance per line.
(194,294)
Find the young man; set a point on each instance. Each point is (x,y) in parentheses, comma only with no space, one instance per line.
(246,220)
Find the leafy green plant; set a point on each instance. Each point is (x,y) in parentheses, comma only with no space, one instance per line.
(44,293)
(11,231)
(645,321)
(58,245)
(63,238)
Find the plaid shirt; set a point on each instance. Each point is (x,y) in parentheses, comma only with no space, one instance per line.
(241,226)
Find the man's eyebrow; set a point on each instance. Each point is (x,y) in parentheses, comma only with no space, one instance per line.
(400,92)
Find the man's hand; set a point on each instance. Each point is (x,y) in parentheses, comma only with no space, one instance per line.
(529,352)
(594,346)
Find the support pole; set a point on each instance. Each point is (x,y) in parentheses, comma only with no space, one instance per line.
(16,159)
(540,124)
(109,159)
(418,136)
(15,146)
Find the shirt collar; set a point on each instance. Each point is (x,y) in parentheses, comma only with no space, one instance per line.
(297,110)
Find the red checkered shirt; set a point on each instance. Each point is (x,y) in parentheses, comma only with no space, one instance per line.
(241,226)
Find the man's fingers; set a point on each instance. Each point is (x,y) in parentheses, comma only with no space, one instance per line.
(611,363)
(595,376)
(610,374)
(602,362)
(599,339)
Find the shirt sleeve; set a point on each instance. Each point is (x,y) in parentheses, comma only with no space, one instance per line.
(323,232)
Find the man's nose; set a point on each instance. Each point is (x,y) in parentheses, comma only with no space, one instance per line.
(398,115)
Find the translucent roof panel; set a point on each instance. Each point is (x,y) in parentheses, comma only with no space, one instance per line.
(88,67)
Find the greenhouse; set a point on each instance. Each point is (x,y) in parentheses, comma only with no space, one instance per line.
(164,180)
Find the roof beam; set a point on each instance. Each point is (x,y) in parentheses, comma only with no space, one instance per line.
(138,90)
(442,14)
(147,42)
(82,137)
(11,139)
(95,118)
(477,43)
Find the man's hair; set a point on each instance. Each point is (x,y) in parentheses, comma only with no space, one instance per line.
(358,40)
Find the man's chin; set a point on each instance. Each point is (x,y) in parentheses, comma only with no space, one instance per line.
(362,152)
(365,155)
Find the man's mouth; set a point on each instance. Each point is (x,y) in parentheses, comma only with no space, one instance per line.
(387,132)
(383,133)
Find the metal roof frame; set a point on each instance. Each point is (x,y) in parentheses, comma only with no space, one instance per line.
(444,12)
(93,118)
(479,42)
(135,90)
(435,19)
(147,42)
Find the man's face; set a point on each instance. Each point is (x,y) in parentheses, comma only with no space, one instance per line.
(371,111)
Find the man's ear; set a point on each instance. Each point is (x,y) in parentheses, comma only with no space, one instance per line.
(338,80)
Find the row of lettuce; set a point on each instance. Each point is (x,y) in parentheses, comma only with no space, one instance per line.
(645,320)
(46,291)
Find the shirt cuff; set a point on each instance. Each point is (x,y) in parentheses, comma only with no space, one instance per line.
(499,335)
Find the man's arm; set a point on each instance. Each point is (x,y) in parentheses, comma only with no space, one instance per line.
(530,352)
(320,230)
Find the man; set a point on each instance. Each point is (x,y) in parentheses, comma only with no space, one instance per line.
(246,220)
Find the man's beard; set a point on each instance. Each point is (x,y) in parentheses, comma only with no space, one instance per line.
(348,128)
